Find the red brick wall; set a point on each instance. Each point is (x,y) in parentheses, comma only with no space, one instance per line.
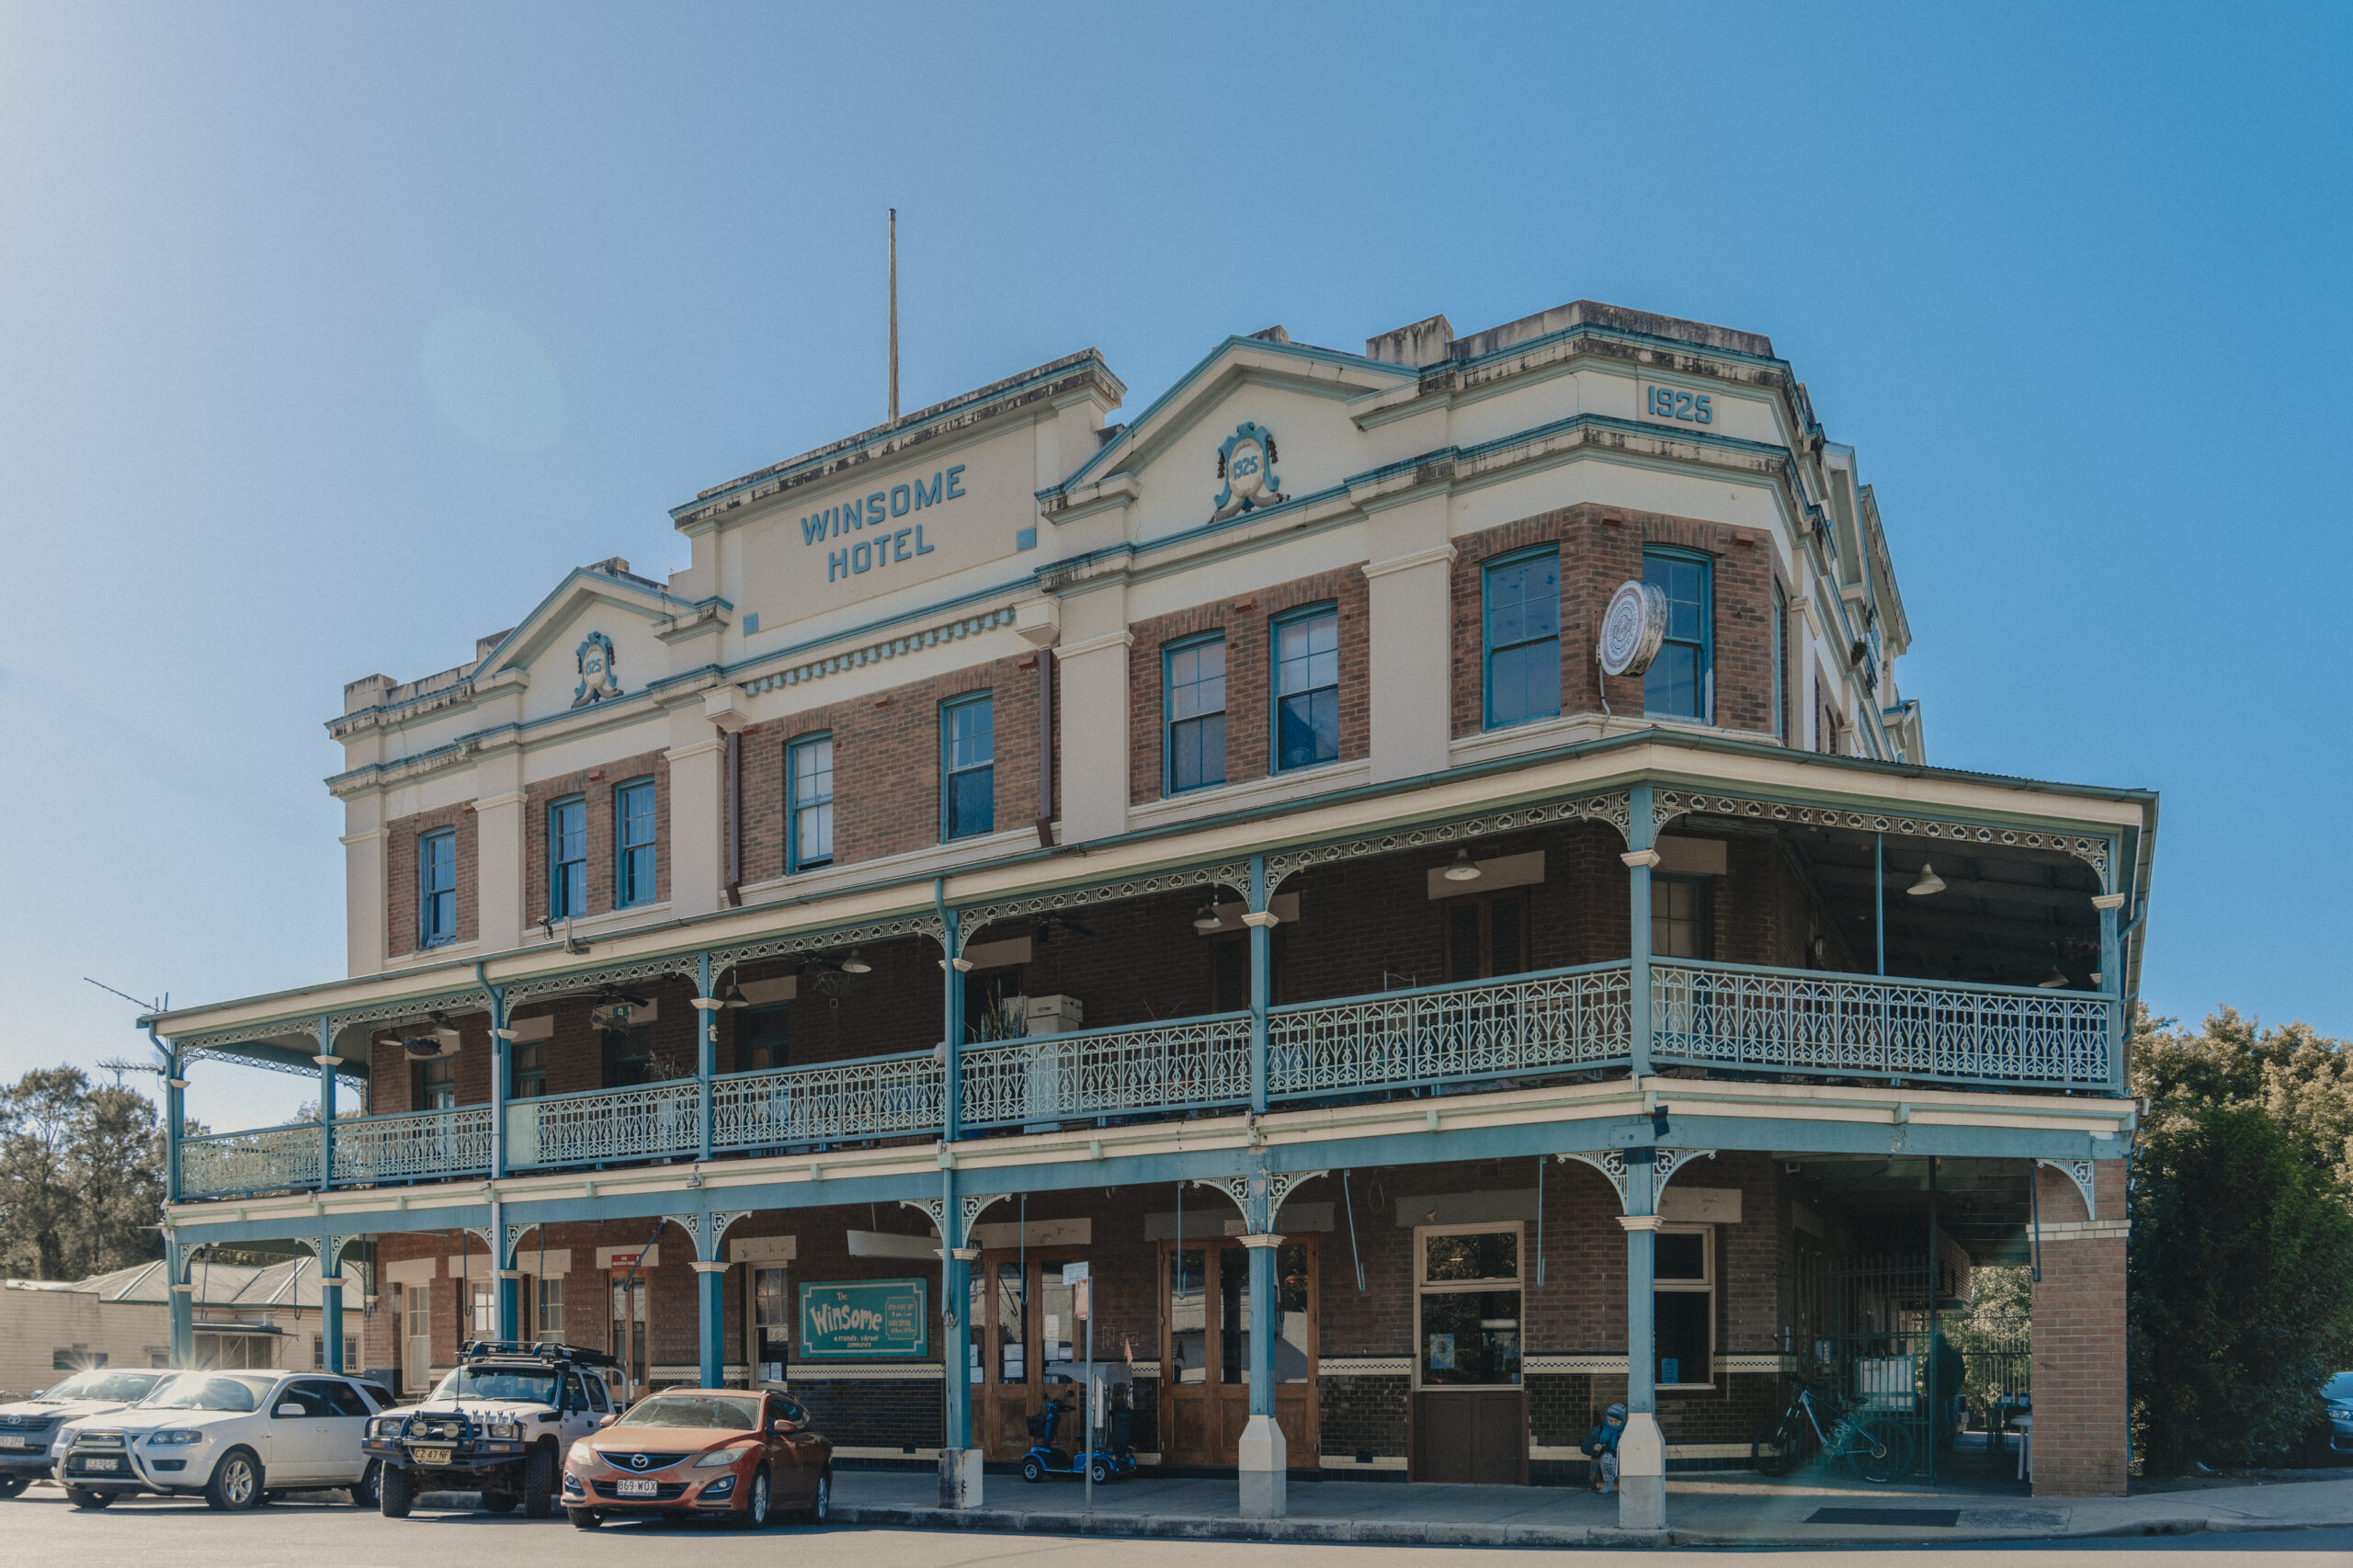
(595,785)
(886,765)
(1248,675)
(400,875)
(2079,1407)
(1600,548)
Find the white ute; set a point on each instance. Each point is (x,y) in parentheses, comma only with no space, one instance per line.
(236,1438)
(498,1425)
(31,1430)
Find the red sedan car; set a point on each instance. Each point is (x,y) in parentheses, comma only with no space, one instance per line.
(737,1455)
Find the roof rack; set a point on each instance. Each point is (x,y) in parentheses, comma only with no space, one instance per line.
(526,1350)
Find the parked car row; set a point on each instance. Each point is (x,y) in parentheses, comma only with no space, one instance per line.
(528,1426)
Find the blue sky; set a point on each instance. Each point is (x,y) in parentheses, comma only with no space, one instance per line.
(331,336)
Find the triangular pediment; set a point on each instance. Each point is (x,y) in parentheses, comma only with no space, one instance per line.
(590,641)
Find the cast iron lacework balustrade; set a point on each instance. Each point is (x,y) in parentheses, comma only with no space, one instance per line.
(250,1162)
(639,1124)
(876,1097)
(1563,1020)
(1196,1062)
(1669,804)
(1765,1020)
(411,1145)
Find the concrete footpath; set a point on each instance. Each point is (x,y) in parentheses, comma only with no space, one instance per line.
(1730,1509)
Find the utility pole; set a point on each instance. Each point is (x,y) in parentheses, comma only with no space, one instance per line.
(895,315)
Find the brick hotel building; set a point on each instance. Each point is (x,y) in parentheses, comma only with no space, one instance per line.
(1213,848)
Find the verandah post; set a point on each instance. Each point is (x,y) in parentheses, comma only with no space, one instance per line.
(1641,835)
(1264,1457)
(1642,1451)
(328,1062)
(1261,922)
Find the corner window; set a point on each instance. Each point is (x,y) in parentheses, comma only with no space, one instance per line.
(968,765)
(1307,688)
(1680,683)
(1467,1280)
(1683,1306)
(1195,683)
(633,868)
(809,802)
(437,888)
(1523,638)
(567,859)
(1683,916)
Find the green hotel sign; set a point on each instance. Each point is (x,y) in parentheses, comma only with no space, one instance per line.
(852,1319)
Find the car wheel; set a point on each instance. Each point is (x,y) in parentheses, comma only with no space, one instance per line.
(84,1497)
(538,1485)
(498,1501)
(12,1484)
(236,1483)
(754,1514)
(821,1504)
(395,1492)
(364,1494)
(582,1518)
(1031,1470)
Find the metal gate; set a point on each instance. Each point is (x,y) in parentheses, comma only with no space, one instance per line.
(1864,1333)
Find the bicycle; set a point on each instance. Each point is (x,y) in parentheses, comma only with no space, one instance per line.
(1876,1450)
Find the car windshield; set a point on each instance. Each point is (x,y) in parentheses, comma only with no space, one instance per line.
(127,1388)
(2338,1387)
(531,1383)
(199,1391)
(708,1409)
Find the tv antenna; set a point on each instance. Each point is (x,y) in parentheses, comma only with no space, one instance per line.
(144,1006)
(118,1067)
(895,315)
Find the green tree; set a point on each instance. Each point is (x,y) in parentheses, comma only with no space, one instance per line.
(80,1177)
(2240,1297)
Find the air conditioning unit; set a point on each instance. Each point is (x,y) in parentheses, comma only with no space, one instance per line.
(430,1046)
(1054,1015)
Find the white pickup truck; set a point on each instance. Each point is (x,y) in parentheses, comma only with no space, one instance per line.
(498,1425)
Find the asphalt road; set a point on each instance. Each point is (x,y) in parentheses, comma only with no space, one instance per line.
(41,1528)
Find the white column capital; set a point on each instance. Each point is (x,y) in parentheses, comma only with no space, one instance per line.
(706,1266)
(1261,1240)
(967,1254)
(1635,857)
(2107,900)
(1262,917)
(1639,1221)
(184,1289)
(510,1274)
(330,1281)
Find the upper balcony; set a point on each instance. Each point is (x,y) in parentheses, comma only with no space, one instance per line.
(1785,940)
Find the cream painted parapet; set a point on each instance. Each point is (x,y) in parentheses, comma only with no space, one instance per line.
(498,860)
(363,884)
(697,836)
(1092,675)
(1409,589)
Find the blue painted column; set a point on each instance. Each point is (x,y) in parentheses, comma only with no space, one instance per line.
(706,1056)
(953,967)
(1262,984)
(507,1294)
(1263,1457)
(1642,1451)
(328,1062)
(955,1289)
(175,1259)
(175,1115)
(331,1304)
(711,1320)
(2111,980)
(502,1076)
(1642,854)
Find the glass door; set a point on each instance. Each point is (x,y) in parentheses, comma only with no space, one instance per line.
(1027,1347)
(628,1330)
(771,1320)
(1205,1356)
(416,1339)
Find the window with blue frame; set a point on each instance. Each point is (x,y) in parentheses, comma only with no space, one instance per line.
(1680,683)
(1523,637)
(809,802)
(567,858)
(1195,679)
(968,765)
(437,888)
(1307,688)
(633,868)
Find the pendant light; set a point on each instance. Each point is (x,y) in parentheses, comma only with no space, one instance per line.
(1464,869)
(1207,918)
(1927,882)
(856,964)
(2056,980)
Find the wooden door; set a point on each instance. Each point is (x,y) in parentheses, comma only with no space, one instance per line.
(1030,1347)
(1205,1350)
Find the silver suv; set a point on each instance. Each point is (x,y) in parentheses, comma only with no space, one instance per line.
(31,1430)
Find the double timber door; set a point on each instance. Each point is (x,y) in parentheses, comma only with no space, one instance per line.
(1205,1350)
(1026,1348)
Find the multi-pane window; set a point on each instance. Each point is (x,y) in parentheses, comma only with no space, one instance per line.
(437,888)
(1196,682)
(437,1084)
(1683,1310)
(485,1309)
(1307,688)
(1678,685)
(528,1070)
(1467,1284)
(567,858)
(968,765)
(633,870)
(808,801)
(629,1057)
(763,1039)
(1682,918)
(1523,638)
(550,1308)
(1486,936)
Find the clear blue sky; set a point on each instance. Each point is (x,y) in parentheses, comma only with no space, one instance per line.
(331,336)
